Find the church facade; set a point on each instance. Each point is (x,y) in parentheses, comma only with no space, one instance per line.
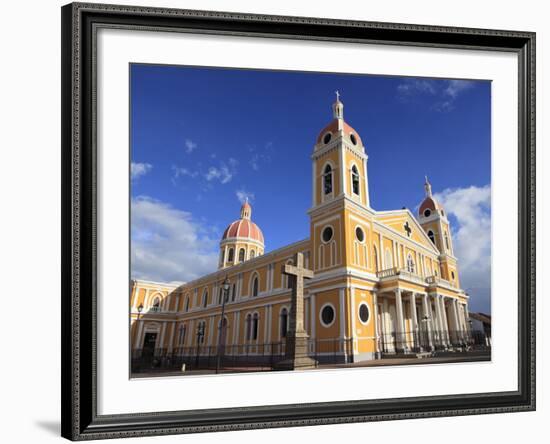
(385,282)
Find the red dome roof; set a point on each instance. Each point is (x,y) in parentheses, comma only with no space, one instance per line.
(244,228)
(332,127)
(429,203)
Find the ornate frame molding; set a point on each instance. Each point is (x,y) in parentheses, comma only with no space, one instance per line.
(80,22)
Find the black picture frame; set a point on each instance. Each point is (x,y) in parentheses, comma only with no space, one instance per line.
(80,420)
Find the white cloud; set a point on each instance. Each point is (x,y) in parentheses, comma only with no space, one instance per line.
(139,169)
(456,87)
(190,146)
(444,92)
(244,195)
(169,244)
(416,86)
(472,239)
(182,171)
(223,173)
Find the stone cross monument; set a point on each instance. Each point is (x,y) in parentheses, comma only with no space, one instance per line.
(296,356)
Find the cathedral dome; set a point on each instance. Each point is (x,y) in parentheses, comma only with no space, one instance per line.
(332,128)
(244,227)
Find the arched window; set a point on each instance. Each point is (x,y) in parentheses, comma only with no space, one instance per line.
(355,180)
(447,241)
(252,254)
(375,257)
(431,235)
(156,304)
(410,264)
(205,298)
(248,326)
(201,332)
(255,322)
(230,255)
(222,256)
(327,180)
(283,322)
(254,289)
(241,255)
(187,304)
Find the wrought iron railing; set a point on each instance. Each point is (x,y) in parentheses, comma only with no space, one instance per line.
(241,357)
(412,276)
(433,341)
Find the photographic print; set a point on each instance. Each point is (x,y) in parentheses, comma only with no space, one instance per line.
(304,220)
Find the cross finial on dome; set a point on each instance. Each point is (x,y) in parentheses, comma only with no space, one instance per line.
(338,107)
(427,187)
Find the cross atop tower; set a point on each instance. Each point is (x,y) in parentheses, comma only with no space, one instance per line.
(427,187)
(338,108)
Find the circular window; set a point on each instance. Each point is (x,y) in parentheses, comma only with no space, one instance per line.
(359,234)
(327,234)
(364,313)
(427,212)
(327,138)
(327,315)
(353,139)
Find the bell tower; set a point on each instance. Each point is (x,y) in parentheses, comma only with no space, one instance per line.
(340,201)
(433,219)
(339,162)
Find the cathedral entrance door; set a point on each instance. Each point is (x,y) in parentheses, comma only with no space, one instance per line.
(149,342)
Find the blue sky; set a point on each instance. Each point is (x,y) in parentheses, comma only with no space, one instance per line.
(203,138)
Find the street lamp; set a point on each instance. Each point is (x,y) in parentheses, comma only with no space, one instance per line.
(139,309)
(225,287)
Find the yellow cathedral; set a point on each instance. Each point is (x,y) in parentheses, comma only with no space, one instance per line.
(385,283)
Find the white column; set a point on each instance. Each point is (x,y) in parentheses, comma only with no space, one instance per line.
(440,327)
(387,329)
(428,322)
(444,319)
(400,321)
(414,319)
